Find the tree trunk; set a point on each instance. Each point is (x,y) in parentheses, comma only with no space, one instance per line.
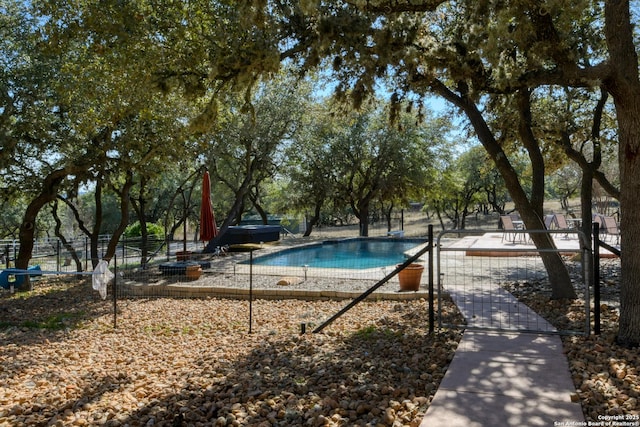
(174,228)
(234,213)
(58,232)
(263,214)
(313,221)
(364,220)
(439,215)
(180,191)
(94,235)
(387,215)
(124,219)
(142,216)
(624,86)
(360,209)
(140,207)
(629,332)
(27,231)
(530,210)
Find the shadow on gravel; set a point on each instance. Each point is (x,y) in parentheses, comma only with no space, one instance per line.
(52,307)
(383,372)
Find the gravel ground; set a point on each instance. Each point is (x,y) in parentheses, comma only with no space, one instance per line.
(193,362)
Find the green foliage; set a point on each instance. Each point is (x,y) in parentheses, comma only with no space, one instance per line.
(245,154)
(54,322)
(344,163)
(374,333)
(153,230)
(466,182)
(11,218)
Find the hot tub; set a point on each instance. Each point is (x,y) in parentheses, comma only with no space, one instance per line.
(241,234)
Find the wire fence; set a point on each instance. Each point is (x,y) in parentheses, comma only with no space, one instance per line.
(182,268)
(53,254)
(334,269)
(482,271)
(339,269)
(288,268)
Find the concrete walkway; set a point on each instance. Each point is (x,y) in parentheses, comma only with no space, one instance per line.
(500,379)
(503,378)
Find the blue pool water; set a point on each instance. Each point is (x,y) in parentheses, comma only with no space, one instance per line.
(350,254)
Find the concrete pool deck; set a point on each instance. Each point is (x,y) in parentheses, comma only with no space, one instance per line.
(493,244)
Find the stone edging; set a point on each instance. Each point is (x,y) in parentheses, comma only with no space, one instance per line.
(181,291)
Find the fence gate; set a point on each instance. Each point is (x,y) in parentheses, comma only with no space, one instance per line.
(478,269)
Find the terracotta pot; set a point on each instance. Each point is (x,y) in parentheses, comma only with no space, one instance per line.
(183,255)
(194,272)
(410,277)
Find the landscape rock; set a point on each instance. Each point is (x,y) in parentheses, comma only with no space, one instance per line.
(194,362)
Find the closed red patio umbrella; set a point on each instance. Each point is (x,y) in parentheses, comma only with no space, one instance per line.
(208,228)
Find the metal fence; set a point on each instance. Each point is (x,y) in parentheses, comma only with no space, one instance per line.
(290,268)
(53,254)
(481,271)
(157,268)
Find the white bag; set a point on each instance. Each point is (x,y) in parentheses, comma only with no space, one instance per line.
(101,278)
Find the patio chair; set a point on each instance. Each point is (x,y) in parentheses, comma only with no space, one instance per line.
(548,221)
(611,229)
(509,230)
(598,218)
(560,223)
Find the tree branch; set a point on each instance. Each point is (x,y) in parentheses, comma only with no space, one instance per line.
(398,6)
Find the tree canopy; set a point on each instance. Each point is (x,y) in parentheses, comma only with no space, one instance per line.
(479,55)
(81,80)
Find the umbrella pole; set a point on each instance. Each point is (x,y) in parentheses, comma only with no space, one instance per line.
(184,232)
(250,290)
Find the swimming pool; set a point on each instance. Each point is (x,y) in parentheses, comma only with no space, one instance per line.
(354,254)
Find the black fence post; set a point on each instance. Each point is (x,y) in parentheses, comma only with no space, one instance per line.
(115,299)
(431,305)
(250,290)
(596,278)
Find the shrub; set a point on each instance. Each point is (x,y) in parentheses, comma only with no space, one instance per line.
(153,230)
